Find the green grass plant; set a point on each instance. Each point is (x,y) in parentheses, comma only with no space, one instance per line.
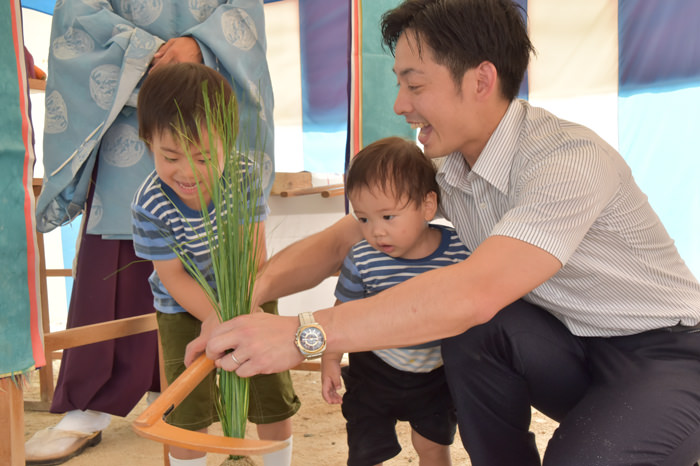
(232,231)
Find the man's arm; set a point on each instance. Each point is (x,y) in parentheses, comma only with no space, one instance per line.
(306,263)
(298,267)
(436,304)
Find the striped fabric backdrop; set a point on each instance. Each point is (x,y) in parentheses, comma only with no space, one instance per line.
(630,70)
(20,338)
(372,82)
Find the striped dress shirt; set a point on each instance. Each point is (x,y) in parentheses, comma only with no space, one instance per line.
(558,186)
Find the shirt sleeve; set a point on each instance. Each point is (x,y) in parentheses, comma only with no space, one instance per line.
(558,199)
(349,286)
(152,239)
(253,186)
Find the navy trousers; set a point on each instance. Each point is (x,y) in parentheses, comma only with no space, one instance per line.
(632,400)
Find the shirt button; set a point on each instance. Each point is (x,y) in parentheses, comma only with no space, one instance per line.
(482,205)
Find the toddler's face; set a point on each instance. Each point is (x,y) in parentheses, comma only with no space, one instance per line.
(170,154)
(391,225)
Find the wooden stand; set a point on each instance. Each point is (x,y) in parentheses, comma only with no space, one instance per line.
(45,373)
(151,424)
(299,184)
(11,397)
(12,421)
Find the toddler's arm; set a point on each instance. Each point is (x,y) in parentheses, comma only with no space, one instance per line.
(330,377)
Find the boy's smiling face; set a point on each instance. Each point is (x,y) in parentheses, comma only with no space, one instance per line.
(174,168)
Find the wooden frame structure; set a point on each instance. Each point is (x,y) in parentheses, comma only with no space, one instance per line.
(12,404)
(150,423)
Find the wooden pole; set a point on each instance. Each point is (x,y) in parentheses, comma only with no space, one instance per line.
(12,422)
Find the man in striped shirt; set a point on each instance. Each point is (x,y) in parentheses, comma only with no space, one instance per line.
(392,188)
(605,339)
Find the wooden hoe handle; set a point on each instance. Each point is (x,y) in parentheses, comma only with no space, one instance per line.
(151,424)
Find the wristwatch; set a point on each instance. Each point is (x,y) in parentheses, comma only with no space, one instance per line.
(310,337)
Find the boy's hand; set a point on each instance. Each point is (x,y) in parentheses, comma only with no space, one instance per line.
(209,324)
(195,348)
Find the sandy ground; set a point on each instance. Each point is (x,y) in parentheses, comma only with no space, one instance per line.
(319,434)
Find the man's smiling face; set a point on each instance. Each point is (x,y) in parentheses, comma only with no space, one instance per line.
(429,99)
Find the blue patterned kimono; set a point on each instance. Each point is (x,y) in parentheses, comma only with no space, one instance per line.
(100,53)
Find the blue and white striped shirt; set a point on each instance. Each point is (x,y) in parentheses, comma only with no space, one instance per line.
(366,272)
(162,224)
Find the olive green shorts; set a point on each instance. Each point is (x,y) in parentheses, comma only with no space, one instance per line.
(272,396)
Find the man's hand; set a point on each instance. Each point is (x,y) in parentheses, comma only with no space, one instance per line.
(198,345)
(262,344)
(178,50)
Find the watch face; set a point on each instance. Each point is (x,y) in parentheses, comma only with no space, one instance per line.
(311,339)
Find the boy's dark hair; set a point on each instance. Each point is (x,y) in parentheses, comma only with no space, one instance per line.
(396,166)
(464,33)
(174,97)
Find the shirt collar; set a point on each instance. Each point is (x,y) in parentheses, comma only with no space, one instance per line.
(495,160)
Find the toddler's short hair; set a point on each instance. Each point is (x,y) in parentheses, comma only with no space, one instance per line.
(395,166)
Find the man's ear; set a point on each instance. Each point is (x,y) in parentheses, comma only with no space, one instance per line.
(430,206)
(486,79)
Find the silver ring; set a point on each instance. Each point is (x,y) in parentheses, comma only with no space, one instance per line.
(233,356)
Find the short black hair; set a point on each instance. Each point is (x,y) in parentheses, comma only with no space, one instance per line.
(174,97)
(395,166)
(464,33)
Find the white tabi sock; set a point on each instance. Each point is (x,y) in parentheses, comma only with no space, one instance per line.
(151,397)
(84,421)
(201,461)
(281,457)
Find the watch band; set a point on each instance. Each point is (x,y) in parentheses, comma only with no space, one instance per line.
(306,318)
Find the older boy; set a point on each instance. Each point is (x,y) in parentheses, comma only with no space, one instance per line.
(167,214)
